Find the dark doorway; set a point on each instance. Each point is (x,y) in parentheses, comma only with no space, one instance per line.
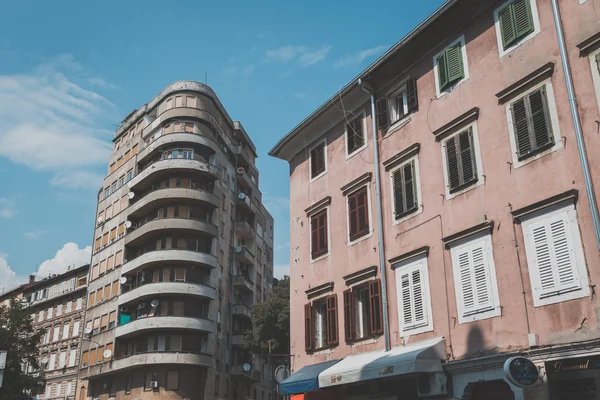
(492,390)
(576,389)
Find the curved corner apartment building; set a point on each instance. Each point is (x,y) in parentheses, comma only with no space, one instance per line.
(183,247)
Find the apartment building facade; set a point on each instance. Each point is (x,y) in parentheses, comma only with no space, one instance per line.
(57,304)
(487,231)
(183,247)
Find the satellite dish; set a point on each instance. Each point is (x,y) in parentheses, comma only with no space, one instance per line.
(241,196)
(246,367)
(281,373)
(107,353)
(241,170)
(123,280)
(154,303)
(128,224)
(45,360)
(238,249)
(131,195)
(100,219)
(88,331)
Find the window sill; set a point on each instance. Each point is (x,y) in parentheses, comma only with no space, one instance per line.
(355,152)
(450,89)
(575,293)
(480,315)
(417,329)
(311,180)
(365,341)
(536,155)
(476,184)
(398,124)
(360,239)
(326,350)
(405,217)
(319,258)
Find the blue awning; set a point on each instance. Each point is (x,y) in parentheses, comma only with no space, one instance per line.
(304,380)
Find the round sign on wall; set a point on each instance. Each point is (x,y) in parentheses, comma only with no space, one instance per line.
(521,372)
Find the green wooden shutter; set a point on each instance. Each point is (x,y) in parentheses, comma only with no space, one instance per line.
(452,163)
(542,132)
(442,71)
(454,63)
(520,124)
(522,17)
(383,114)
(411,95)
(598,62)
(467,157)
(508,30)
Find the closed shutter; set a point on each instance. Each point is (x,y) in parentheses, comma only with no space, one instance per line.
(375,307)
(349,324)
(413,304)
(317,161)
(523,17)
(460,158)
(308,331)
(412,95)
(355,135)
(383,113)
(553,255)
(531,124)
(358,214)
(474,275)
(319,234)
(332,324)
(85,358)
(115,288)
(405,190)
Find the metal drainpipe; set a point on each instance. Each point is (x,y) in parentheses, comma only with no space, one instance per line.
(576,121)
(386,332)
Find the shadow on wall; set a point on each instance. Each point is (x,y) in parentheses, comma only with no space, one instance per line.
(476,344)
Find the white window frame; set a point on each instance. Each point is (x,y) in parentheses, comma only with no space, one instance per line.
(496,310)
(371,230)
(595,75)
(347,121)
(394,116)
(536,27)
(79,304)
(361,326)
(571,216)
(66,328)
(479,165)
(553,117)
(56,333)
(463,47)
(324,143)
(416,263)
(323,335)
(328,233)
(419,210)
(76,328)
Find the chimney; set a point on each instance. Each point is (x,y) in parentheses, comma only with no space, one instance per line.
(31,278)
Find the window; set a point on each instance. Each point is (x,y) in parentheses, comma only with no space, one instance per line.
(112,168)
(113,235)
(127,155)
(106,192)
(414,303)
(450,66)
(66,329)
(121,180)
(76,328)
(128,384)
(62,359)
(85,358)
(358,214)
(52,363)
(320,324)
(72,356)
(59,310)
(516,22)
(129,175)
(363,311)
(531,124)
(355,135)
(150,376)
(397,105)
(217,384)
(79,304)
(115,288)
(319,234)
(460,159)
(119,162)
(595,66)
(113,187)
(134,149)
(121,230)
(404,181)
(555,256)
(112,318)
(318,160)
(475,280)
(56,333)
(69,306)
(172,380)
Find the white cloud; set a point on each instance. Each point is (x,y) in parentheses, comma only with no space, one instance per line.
(304,56)
(245,70)
(50,123)
(77,179)
(8,208)
(8,278)
(354,59)
(70,254)
(35,234)
(279,270)
(311,58)
(300,95)
(101,83)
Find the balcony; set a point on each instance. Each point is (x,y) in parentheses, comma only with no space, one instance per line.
(154,358)
(180,139)
(245,204)
(245,180)
(161,168)
(237,371)
(238,341)
(169,256)
(242,310)
(151,290)
(164,322)
(139,235)
(244,255)
(166,196)
(244,229)
(243,283)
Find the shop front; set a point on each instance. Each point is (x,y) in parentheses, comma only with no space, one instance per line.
(574,378)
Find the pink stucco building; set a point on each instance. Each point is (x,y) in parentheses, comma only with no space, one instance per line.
(487,231)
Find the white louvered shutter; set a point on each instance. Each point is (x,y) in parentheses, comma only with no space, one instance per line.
(474,279)
(412,286)
(553,255)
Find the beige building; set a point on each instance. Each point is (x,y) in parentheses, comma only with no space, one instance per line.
(183,247)
(57,304)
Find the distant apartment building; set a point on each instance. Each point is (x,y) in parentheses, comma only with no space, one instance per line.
(57,304)
(486,246)
(183,248)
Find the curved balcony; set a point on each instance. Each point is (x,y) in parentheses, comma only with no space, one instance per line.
(166,322)
(153,358)
(169,139)
(151,290)
(169,256)
(168,195)
(163,167)
(183,224)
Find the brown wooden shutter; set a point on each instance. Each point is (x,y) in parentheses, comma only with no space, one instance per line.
(308,331)
(353,215)
(355,136)
(452,163)
(383,113)
(362,211)
(314,235)
(412,95)
(323,242)
(375,306)
(319,234)
(332,323)
(349,324)
(460,158)
(317,160)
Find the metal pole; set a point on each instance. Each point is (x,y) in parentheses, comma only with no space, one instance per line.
(576,121)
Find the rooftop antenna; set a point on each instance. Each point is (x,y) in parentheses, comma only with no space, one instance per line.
(206,77)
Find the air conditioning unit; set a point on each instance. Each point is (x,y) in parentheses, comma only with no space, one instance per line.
(432,384)
(154,384)
(124,309)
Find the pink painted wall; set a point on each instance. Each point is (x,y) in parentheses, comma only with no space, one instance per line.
(550,175)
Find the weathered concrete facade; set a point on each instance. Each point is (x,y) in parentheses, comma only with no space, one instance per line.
(167,253)
(507,198)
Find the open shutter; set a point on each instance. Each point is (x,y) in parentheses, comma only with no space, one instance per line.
(420,314)
(375,307)
(383,114)
(349,323)
(332,324)
(323,232)
(523,18)
(399,194)
(362,212)
(521,128)
(454,63)
(412,95)
(452,161)
(410,187)
(598,62)
(508,30)
(467,157)
(540,122)
(308,331)
(353,214)
(474,279)
(442,71)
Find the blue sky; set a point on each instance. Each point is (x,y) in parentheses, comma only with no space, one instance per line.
(70,71)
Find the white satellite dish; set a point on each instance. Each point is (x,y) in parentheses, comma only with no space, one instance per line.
(238,249)
(107,353)
(154,303)
(45,360)
(100,219)
(123,280)
(241,196)
(88,331)
(128,224)
(246,367)
(131,195)
(281,373)
(241,170)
